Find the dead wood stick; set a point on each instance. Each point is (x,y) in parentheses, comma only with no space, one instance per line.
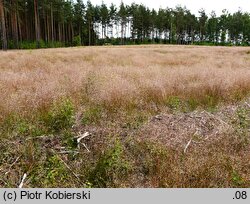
(86,134)
(185,150)
(67,166)
(22,182)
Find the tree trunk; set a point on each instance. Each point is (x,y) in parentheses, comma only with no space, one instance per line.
(14,23)
(19,28)
(48,28)
(37,27)
(45,25)
(26,25)
(89,34)
(59,32)
(52,25)
(71,33)
(63,33)
(122,31)
(4,36)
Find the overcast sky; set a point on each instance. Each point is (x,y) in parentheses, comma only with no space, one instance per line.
(193,5)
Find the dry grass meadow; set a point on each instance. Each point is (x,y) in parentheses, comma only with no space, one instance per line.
(158,116)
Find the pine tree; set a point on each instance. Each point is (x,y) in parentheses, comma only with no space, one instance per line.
(37,24)
(3,25)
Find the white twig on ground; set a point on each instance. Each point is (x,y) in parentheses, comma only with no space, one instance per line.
(158,117)
(22,182)
(67,166)
(185,150)
(86,147)
(247,104)
(80,137)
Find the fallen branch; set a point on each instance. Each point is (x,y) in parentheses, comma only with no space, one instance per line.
(85,147)
(67,166)
(185,150)
(22,182)
(80,137)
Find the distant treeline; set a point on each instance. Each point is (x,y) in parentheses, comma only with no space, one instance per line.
(57,23)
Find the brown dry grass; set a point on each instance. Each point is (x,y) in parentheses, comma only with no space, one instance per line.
(116,76)
(199,93)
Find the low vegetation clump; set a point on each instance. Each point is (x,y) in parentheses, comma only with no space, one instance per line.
(161,116)
(60,117)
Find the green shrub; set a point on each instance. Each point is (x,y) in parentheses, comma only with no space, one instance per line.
(243,120)
(42,44)
(192,104)
(237,180)
(23,127)
(173,102)
(110,167)
(69,141)
(56,172)
(60,117)
(17,125)
(77,40)
(27,45)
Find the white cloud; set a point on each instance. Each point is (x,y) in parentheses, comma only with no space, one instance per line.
(193,5)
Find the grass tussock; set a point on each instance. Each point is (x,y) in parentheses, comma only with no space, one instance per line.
(142,106)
